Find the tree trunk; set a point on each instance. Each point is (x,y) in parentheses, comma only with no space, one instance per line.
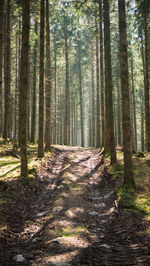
(7,79)
(101,70)
(33,125)
(134,107)
(55,103)
(66,118)
(1,58)
(109,121)
(97,93)
(128,168)
(48,80)
(24,86)
(41,83)
(146,74)
(80,91)
(93,97)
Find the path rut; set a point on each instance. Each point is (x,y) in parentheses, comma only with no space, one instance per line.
(75,220)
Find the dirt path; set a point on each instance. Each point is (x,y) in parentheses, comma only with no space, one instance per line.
(74,220)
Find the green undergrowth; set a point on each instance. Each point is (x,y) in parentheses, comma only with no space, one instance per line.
(69,231)
(134,200)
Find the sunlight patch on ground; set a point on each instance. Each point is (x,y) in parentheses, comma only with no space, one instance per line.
(66,257)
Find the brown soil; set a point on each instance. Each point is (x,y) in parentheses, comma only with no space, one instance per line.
(71,216)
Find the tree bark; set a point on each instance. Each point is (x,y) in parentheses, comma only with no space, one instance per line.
(128,167)
(7,78)
(80,92)
(66,118)
(41,82)
(97,93)
(48,80)
(101,70)
(109,121)
(23,86)
(1,58)
(146,74)
(33,125)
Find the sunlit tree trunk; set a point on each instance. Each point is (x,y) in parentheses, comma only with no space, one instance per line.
(41,83)
(109,120)
(128,167)
(48,80)
(23,86)
(97,92)
(66,118)
(81,93)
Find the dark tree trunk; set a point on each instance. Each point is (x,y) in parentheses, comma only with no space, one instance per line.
(146,85)
(101,70)
(7,75)
(1,58)
(23,86)
(109,120)
(128,167)
(48,80)
(41,83)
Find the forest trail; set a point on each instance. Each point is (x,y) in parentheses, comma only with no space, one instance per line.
(74,218)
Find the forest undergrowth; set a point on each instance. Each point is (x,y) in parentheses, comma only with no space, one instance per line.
(72,209)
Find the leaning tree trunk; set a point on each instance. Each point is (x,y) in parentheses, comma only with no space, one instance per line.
(1,58)
(23,86)
(7,79)
(128,168)
(48,80)
(109,120)
(41,83)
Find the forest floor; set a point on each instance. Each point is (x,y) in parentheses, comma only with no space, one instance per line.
(72,215)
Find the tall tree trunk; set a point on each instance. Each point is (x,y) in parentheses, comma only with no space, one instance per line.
(146,65)
(142,122)
(1,58)
(93,96)
(16,94)
(101,70)
(24,79)
(55,103)
(134,106)
(97,93)
(118,112)
(7,75)
(66,118)
(48,80)
(41,82)
(33,119)
(109,122)
(80,92)
(128,167)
